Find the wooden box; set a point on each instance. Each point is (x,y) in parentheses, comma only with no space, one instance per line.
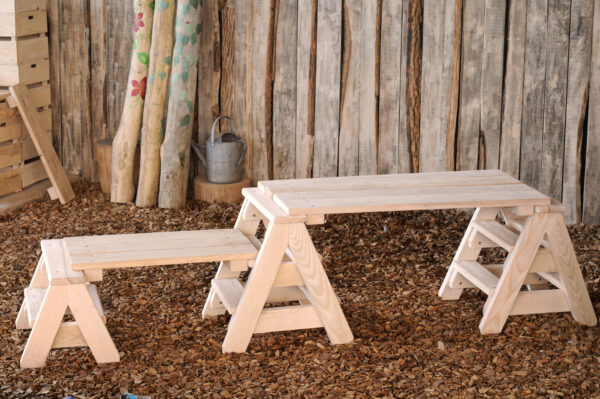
(21,5)
(24,49)
(24,23)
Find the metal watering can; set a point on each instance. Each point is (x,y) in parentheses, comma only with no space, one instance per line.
(224,155)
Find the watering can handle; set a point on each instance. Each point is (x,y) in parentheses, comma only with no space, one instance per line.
(241,140)
(212,130)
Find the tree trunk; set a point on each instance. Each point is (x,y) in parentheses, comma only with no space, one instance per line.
(154,109)
(175,151)
(126,138)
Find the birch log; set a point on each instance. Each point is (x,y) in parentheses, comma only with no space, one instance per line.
(154,108)
(175,151)
(126,138)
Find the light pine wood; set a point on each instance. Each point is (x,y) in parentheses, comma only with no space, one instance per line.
(591,190)
(469,121)
(327,100)
(350,90)
(68,336)
(58,270)
(43,144)
(229,291)
(517,265)
(439,89)
(175,150)
(498,233)
(544,301)
(367,134)
(284,90)
(287,318)
(477,274)
(557,63)
(532,125)
(152,135)
(268,208)
(305,86)
(492,74)
(510,143)
(128,132)
(570,273)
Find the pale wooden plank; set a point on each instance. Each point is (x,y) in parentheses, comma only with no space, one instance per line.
(305,86)
(491,82)
(42,143)
(32,173)
(477,274)
(268,208)
(591,189)
(284,90)
(510,144)
(580,53)
(542,301)
(327,99)
(498,233)
(68,336)
(469,121)
(58,270)
(553,136)
(350,93)
(532,123)
(367,134)
(229,291)
(287,318)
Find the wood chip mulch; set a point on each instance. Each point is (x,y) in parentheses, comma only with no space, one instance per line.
(386,269)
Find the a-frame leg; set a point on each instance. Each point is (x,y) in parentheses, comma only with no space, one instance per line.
(451,289)
(213,306)
(261,278)
(317,284)
(564,257)
(39,280)
(518,263)
(45,328)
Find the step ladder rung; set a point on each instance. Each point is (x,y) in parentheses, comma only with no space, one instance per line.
(530,278)
(34,298)
(477,274)
(229,291)
(498,233)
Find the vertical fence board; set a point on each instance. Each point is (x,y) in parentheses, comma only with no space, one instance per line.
(209,69)
(305,86)
(119,15)
(510,143)
(98,72)
(591,190)
(403,144)
(390,94)
(350,93)
(53,12)
(413,84)
(227,60)
(284,90)
(491,82)
(580,54)
(367,134)
(470,85)
(327,99)
(533,93)
(240,87)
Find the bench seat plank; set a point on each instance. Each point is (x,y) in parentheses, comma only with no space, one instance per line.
(153,249)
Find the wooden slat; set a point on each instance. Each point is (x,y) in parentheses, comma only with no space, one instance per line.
(477,274)
(33,172)
(24,50)
(59,271)
(242,48)
(43,144)
(10,182)
(284,91)
(55,113)
(353,201)
(287,318)
(10,154)
(22,5)
(350,93)
(10,128)
(470,85)
(497,233)
(533,93)
(327,100)
(268,208)
(33,298)
(430,179)
(149,249)
(591,189)
(229,291)
(22,23)
(209,68)
(542,301)
(98,76)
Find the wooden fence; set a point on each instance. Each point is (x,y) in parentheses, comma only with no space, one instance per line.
(346,87)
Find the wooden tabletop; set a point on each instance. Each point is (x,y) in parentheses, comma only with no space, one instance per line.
(401,192)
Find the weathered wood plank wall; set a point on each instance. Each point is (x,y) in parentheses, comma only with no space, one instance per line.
(346,87)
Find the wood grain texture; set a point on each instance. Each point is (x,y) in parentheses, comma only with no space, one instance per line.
(53,14)
(119,19)
(557,64)
(510,143)
(242,68)
(153,126)
(175,150)
(367,134)
(227,22)
(469,121)
(491,82)
(350,93)
(532,125)
(591,189)
(413,91)
(98,67)
(305,86)
(327,100)
(209,69)
(580,56)
(284,90)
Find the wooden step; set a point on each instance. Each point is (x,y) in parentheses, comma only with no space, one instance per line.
(498,233)
(229,291)
(477,274)
(34,298)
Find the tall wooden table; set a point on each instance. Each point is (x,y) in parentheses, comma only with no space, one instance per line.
(288,267)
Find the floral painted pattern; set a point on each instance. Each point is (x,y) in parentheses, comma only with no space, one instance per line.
(139,88)
(138,21)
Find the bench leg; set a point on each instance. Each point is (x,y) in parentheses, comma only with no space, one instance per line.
(319,288)
(499,305)
(39,280)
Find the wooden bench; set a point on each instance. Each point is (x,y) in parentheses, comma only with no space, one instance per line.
(61,282)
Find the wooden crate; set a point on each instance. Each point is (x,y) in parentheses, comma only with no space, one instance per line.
(24,23)
(24,49)
(21,5)
(26,72)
